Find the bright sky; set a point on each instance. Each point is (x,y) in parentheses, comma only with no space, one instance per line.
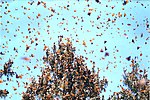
(75,23)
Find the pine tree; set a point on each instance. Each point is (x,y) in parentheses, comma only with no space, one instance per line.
(66,77)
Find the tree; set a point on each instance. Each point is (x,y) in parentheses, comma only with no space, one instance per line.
(7,71)
(137,83)
(65,76)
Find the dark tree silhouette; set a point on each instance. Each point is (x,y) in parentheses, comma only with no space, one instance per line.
(65,76)
(136,85)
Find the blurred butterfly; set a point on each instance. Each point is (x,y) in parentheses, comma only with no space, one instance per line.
(98,1)
(1,53)
(128,58)
(106,54)
(17,76)
(26,58)
(125,2)
(143,90)
(141,71)
(1,81)
(101,50)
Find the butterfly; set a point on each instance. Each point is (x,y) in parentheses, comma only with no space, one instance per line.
(26,58)
(128,58)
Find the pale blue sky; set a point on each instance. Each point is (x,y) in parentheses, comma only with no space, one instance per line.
(114,36)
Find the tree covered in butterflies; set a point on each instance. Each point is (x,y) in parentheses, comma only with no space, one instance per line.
(136,85)
(6,71)
(65,76)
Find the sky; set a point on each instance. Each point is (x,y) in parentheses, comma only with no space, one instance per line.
(111,25)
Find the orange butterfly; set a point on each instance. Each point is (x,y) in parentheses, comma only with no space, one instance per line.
(26,58)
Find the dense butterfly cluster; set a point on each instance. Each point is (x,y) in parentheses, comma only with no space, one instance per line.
(137,85)
(7,71)
(66,76)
